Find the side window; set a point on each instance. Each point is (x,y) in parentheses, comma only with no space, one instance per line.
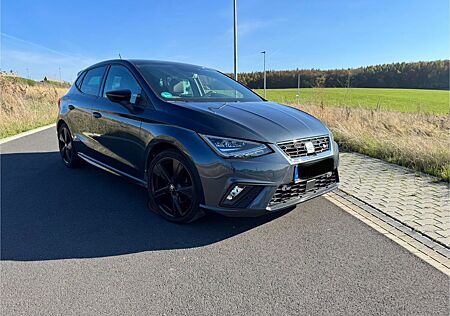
(120,78)
(92,81)
(79,80)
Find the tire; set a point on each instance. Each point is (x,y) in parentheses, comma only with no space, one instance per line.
(174,188)
(67,150)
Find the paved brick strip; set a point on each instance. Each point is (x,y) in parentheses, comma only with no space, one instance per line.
(418,201)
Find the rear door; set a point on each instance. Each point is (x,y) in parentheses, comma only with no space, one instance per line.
(117,126)
(80,106)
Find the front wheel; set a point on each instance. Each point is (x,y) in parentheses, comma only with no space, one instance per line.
(173,188)
(66,149)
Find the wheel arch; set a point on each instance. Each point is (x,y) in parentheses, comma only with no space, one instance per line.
(159,145)
(156,147)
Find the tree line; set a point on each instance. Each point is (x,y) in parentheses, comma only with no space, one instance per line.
(414,75)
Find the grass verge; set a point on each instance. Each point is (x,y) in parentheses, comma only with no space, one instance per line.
(26,104)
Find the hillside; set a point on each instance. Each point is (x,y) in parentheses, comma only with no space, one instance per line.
(26,104)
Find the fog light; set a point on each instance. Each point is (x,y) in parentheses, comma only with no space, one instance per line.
(235,192)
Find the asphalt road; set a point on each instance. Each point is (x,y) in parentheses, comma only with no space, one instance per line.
(82,242)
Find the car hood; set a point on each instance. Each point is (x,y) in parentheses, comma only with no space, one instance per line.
(260,121)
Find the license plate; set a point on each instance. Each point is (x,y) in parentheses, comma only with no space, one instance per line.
(310,184)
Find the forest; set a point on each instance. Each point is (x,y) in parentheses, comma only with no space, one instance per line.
(412,75)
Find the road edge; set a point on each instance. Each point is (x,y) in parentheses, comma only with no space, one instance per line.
(23,134)
(393,232)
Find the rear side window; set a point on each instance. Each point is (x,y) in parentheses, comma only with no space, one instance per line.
(120,78)
(79,80)
(92,81)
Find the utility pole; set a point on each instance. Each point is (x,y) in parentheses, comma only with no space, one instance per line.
(59,68)
(235,41)
(264,53)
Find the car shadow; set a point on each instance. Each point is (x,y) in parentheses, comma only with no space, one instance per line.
(52,212)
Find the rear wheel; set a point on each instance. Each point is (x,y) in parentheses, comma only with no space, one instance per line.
(66,149)
(173,189)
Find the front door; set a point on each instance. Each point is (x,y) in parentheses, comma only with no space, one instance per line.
(117,125)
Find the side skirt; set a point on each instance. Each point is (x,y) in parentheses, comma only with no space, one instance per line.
(110,169)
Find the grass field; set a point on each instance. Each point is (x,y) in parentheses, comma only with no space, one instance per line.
(369,121)
(399,100)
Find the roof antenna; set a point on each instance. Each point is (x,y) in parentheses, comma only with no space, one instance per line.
(120,56)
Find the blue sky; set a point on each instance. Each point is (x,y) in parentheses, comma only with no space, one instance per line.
(42,36)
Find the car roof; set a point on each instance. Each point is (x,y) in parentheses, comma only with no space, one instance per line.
(136,62)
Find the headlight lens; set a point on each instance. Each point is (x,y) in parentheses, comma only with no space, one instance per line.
(236,148)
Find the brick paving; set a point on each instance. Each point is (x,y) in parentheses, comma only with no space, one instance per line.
(417,200)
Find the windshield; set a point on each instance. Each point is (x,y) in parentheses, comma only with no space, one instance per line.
(192,83)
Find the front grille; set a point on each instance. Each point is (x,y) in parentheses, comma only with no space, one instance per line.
(297,148)
(287,192)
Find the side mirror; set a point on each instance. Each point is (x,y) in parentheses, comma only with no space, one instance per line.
(120,96)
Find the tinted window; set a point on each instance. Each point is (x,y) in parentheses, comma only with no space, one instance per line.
(92,81)
(214,86)
(120,78)
(79,79)
(193,83)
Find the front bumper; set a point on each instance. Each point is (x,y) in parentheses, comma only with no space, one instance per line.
(270,173)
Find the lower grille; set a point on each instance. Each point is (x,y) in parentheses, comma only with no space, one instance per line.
(287,192)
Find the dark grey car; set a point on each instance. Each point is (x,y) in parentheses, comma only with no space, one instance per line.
(195,138)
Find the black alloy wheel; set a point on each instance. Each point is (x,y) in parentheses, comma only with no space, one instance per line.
(173,188)
(66,148)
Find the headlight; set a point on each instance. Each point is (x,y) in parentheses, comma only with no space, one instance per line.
(236,148)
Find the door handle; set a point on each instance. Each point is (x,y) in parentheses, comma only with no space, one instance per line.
(71,107)
(96,115)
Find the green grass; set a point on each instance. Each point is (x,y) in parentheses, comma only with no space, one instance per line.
(399,100)
(30,82)
(19,80)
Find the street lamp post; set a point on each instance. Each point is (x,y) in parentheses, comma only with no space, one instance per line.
(264,53)
(235,40)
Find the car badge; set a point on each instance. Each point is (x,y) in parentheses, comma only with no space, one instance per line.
(309,147)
